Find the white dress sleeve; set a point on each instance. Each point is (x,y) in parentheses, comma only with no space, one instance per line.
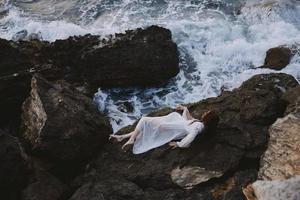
(189,138)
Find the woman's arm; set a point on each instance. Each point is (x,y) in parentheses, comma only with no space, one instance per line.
(188,139)
(186,113)
(185,142)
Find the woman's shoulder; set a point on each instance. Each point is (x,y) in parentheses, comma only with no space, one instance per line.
(196,123)
(199,124)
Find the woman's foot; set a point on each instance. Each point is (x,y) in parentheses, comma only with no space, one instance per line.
(127,145)
(118,138)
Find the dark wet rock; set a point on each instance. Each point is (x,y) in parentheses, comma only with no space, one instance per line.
(62,125)
(235,144)
(35,36)
(15,88)
(141,57)
(234,194)
(292,98)
(125,107)
(17,64)
(13,167)
(21,35)
(137,58)
(44,186)
(108,188)
(278,58)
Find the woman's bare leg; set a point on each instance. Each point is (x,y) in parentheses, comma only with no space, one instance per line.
(120,138)
(132,135)
(131,140)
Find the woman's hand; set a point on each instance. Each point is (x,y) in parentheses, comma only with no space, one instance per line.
(173,145)
(180,107)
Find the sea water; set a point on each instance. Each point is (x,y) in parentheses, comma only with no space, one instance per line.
(221,42)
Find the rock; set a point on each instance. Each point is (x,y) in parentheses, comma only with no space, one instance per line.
(141,57)
(14,89)
(109,188)
(187,177)
(15,76)
(125,107)
(13,167)
(288,189)
(61,124)
(278,58)
(231,188)
(292,98)
(282,158)
(35,36)
(45,187)
(235,144)
(279,171)
(21,35)
(137,58)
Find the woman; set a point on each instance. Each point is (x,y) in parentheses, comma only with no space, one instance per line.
(152,132)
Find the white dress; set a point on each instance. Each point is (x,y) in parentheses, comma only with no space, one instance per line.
(157,131)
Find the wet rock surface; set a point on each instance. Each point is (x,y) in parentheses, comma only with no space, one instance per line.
(44,186)
(278,58)
(292,97)
(279,170)
(13,168)
(61,124)
(109,188)
(65,134)
(69,140)
(232,147)
(141,57)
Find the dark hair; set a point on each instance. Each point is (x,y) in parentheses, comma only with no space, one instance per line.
(208,117)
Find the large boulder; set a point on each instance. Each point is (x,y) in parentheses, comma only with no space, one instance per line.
(282,158)
(233,147)
(278,58)
(292,97)
(288,189)
(13,167)
(61,124)
(279,173)
(15,88)
(141,57)
(44,186)
(108,188)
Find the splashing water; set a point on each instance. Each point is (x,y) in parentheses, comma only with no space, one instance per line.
(221,43)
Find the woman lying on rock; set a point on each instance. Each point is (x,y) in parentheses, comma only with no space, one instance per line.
(152,132)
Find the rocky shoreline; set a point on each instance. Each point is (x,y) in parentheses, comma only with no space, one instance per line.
(54,144)
(141,57)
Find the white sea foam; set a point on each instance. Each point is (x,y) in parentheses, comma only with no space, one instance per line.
(218,47)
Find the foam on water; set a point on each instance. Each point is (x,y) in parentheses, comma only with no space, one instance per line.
(221,42)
